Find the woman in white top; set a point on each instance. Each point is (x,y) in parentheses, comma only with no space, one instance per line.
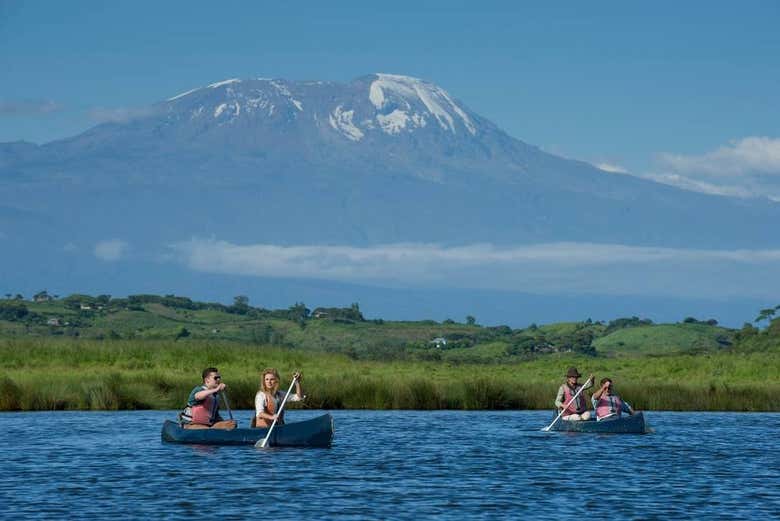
(269,398)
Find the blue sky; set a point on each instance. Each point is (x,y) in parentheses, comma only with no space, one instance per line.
(668,90)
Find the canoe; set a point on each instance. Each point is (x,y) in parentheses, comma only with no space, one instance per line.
(317,432)
(624,425)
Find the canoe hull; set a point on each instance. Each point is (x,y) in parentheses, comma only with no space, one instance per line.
(634,424)
(317,432)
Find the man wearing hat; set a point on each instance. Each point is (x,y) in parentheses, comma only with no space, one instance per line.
(576,409)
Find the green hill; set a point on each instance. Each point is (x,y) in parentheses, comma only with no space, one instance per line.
(664,339)
(346,331)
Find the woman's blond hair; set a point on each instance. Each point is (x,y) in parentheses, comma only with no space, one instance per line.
(274,372)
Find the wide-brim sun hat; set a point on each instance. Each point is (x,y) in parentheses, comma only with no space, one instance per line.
(573,372)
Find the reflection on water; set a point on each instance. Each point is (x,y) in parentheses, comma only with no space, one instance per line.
(395,465)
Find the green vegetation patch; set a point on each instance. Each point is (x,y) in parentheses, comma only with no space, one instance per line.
(664,339)
(147,351)
(54,374)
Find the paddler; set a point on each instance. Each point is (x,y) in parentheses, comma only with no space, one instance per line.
(577,409)
(608,403)
(202,411)
(269,398)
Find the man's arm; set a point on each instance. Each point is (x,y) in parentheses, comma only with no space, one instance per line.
(600,391)
(201,395)
(559,398)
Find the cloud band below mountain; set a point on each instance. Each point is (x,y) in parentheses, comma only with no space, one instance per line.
(554,268)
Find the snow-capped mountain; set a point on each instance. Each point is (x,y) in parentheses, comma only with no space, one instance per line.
(376,123)
(394,105)
(381,159)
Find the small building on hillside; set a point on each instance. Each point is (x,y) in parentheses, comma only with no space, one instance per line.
(439,341)
(55,321)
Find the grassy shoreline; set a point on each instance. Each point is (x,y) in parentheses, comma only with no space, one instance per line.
(57,374)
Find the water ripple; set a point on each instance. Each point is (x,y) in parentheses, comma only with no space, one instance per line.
(395,465)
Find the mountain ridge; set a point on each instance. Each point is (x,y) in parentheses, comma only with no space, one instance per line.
(200,164)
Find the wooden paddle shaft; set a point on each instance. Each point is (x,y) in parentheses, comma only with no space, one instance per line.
(227,405)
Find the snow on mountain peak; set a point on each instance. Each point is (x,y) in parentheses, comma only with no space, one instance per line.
(341,120)
(396,104)
(284,91)
(212,86)
(224,82)
(183,94)
(389,89)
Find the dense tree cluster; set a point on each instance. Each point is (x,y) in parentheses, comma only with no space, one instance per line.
(13,310)
(691,320)
(350,314)
(622,323)
(751,338)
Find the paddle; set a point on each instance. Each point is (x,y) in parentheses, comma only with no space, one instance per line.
(567,405)
(227,405)
(262,443)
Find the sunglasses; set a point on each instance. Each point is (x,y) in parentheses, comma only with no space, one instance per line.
(217,377)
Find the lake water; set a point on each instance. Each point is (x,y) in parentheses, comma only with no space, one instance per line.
(394,465)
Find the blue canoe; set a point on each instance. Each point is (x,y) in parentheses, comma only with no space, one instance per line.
(626,424)
(317,432)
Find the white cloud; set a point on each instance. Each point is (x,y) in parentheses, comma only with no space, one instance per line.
(555,268)
(747,167)
(611,168)
(695,185)
(111,250)
(739,157)
(120,114)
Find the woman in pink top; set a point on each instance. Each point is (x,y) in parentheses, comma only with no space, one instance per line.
(608,404)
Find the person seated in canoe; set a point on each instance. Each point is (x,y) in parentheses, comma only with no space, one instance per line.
(576,409)
(202,411)
(269,398)
(608,403)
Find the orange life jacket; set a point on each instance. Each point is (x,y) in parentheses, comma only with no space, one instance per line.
(269,408)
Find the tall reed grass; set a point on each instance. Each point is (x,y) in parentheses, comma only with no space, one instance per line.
(48,374)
